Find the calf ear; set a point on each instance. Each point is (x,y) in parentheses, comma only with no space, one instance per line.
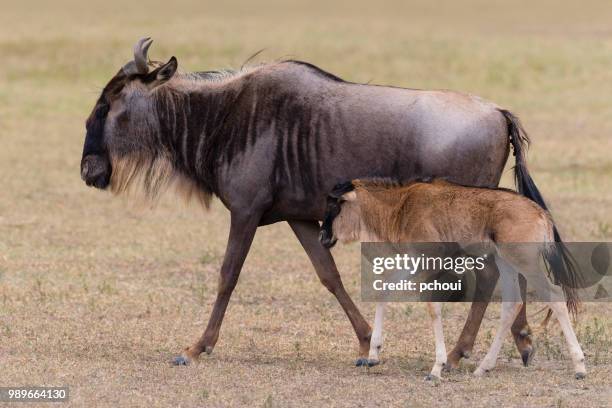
(162,74)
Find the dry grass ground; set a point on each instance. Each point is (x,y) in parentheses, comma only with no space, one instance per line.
(99,296)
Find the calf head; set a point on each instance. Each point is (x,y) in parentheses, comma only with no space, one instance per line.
(343,196)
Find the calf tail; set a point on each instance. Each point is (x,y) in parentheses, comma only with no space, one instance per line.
(564,271)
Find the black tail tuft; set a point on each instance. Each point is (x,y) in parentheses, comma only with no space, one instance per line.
(564,271)
(520,143)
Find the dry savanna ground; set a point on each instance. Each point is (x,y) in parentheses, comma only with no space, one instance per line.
(97,295)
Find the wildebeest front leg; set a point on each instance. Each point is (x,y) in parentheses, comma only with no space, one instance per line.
(307,233)
(241,235)
(521,332)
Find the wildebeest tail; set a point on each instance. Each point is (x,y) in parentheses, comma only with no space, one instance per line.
(520,143)
(564,271)
(562,265)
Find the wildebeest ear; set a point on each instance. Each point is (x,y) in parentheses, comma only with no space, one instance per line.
(161,74)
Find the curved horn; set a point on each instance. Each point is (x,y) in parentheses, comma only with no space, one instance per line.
(140,54)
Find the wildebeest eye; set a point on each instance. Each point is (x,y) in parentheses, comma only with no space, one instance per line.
(122,116)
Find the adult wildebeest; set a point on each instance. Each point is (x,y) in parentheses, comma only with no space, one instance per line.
(383,210)
(272,140)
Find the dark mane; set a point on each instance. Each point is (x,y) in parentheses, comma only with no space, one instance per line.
(317,70)
(214,74)
(329,76)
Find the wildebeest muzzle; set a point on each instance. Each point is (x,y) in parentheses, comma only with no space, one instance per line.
(96,171)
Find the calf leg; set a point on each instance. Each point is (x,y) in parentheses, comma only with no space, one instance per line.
(435,312)
(241,235)
(520,328)
(465,343)
(545,289)
(562,315)
(485,281)
(307,233)
(508,314)
(377,339)
(511,305)
(521,332)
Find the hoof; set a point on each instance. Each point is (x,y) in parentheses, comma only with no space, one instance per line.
(372,363)
(453,359)
(361,361)
(527,355)
(451,365)
(580,376)
(180,361)
(431,377)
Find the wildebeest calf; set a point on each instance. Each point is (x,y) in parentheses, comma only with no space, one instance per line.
(381,210)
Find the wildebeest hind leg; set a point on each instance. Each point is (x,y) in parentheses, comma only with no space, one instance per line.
(307,233)
(241,235)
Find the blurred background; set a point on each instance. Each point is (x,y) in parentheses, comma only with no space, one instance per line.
(98,295)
